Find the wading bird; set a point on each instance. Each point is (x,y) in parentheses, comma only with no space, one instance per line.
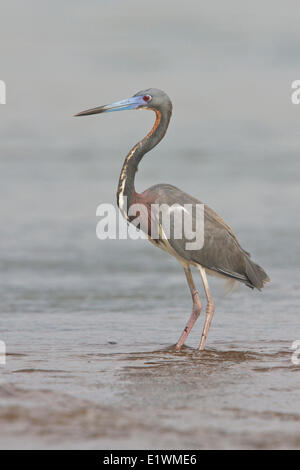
(221,253)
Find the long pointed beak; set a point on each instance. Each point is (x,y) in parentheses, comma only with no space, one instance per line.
(130,103)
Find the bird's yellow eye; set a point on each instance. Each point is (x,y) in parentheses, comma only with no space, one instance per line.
(147,98)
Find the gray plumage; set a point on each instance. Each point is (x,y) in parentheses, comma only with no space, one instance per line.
(220,253)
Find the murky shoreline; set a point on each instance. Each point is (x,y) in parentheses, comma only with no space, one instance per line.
(225,397)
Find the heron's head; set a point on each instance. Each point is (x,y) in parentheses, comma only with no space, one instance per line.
(152,98)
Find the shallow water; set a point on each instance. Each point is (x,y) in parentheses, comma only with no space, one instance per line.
(226,397)
(90,325)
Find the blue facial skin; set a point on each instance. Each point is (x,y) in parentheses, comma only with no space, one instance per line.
(130,103)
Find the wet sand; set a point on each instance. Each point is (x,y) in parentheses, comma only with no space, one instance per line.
(163,400)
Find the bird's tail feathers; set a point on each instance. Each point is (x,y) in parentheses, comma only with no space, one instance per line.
(256,275)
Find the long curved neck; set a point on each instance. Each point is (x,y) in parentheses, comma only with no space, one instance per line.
(126,189)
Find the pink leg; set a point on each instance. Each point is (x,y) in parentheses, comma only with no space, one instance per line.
(196,309)
(210,309)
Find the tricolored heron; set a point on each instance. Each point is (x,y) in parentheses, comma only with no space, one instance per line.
(221,253)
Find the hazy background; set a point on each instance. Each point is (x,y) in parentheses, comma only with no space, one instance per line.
(233,142)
